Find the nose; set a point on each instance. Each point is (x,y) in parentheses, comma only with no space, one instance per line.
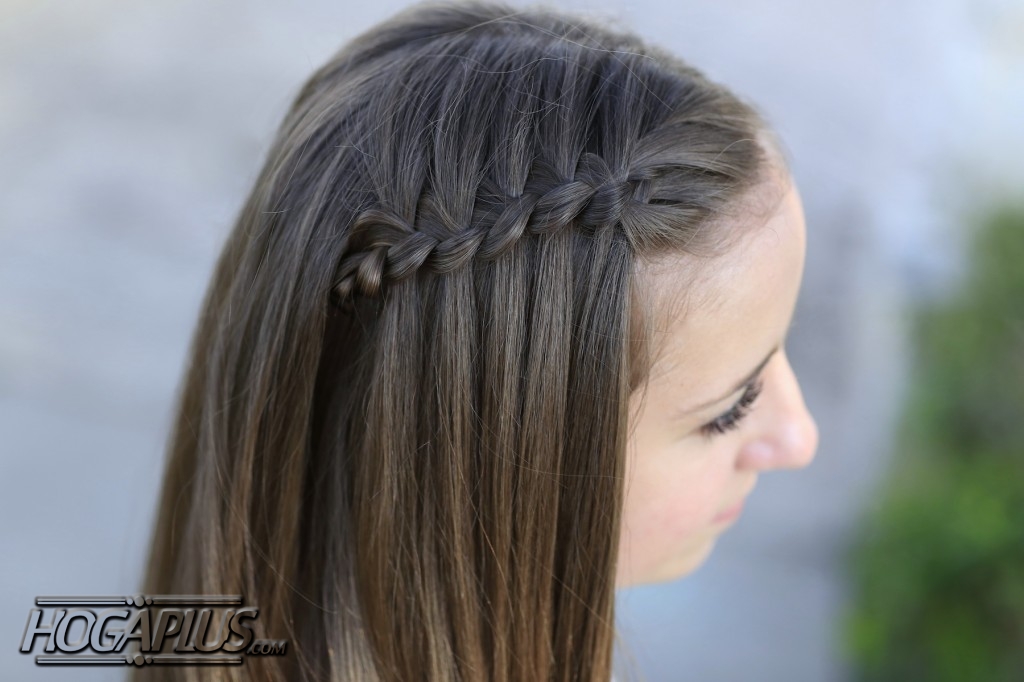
(788,437)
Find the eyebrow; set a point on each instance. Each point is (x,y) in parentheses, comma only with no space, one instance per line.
(744,382)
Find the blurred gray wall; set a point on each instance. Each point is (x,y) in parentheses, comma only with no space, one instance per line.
(129,133)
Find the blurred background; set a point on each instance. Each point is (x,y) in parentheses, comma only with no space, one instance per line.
(130,132)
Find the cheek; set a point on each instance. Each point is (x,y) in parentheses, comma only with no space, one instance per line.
(669,518)
(667,505)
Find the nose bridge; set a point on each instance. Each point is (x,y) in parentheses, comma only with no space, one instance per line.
(790,435)
(789,385)
(800,431)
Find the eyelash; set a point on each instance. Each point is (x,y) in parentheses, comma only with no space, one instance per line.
(731,419)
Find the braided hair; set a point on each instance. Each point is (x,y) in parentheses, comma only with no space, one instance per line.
(384,247)
(402,431)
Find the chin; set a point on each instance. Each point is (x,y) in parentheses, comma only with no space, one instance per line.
(690,562)
(676,567)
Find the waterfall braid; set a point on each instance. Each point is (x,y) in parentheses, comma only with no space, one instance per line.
(385,247)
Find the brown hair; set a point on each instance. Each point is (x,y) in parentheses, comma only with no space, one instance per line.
(403,426)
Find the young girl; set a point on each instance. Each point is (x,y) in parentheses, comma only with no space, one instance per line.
(499,328)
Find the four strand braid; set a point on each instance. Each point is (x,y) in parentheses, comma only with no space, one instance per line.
(383,247)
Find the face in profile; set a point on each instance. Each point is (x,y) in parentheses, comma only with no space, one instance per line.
(722,404)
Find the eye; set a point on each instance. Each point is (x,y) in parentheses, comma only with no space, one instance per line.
(731,419)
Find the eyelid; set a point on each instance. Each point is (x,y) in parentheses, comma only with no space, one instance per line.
(748,388)
(731,418)
(750,392)
(742,390)
(758,371)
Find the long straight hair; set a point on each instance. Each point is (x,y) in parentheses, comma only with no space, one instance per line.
(402,430)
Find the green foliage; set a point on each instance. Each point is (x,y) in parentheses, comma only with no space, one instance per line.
(937,569)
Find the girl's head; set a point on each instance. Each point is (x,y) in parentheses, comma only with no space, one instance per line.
(482,315)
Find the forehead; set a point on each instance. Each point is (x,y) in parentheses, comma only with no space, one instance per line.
(717,318)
